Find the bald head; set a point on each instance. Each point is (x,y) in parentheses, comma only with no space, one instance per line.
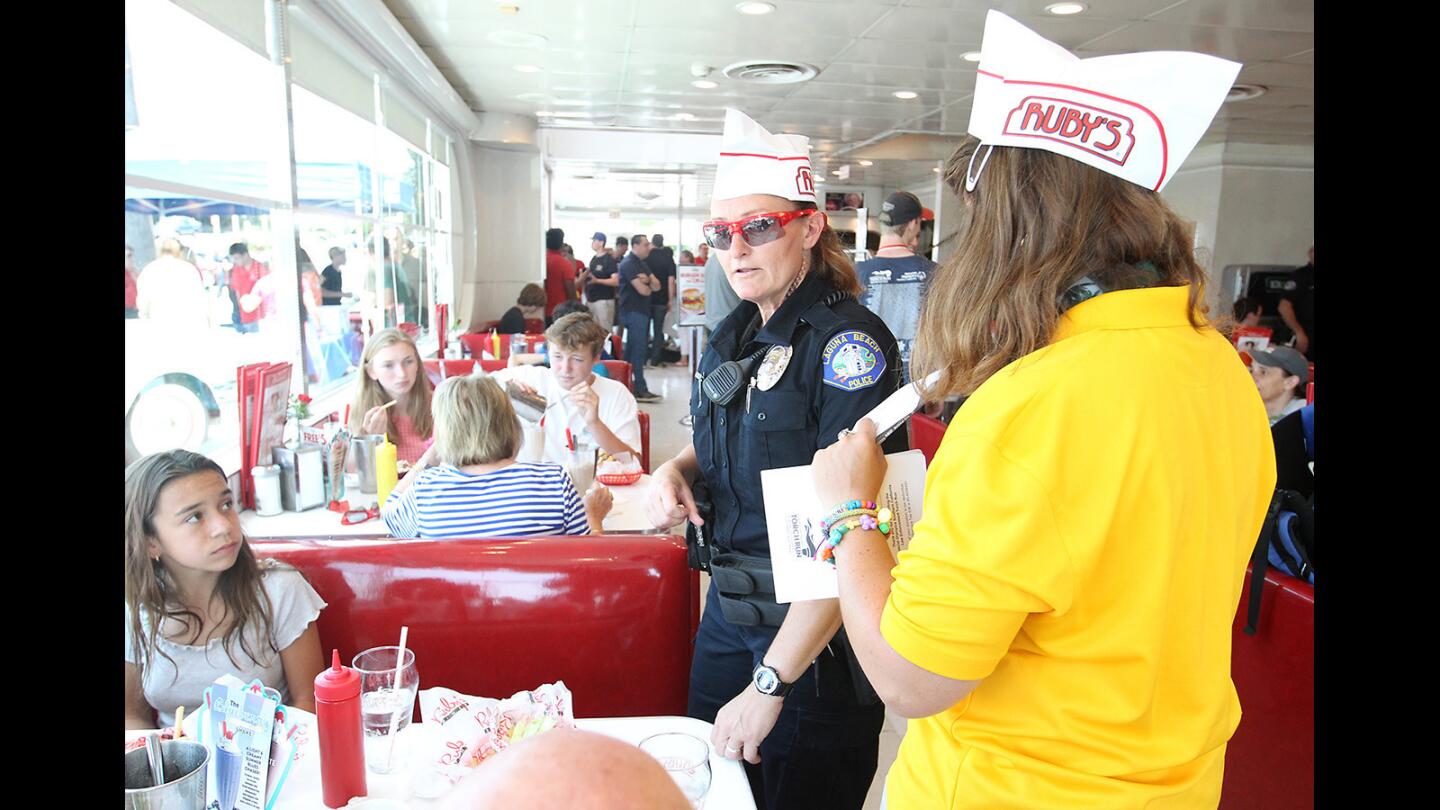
(568,769)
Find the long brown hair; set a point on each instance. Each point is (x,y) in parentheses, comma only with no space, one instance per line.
(149,587)
(829,260)
(1037,223)
(370,393)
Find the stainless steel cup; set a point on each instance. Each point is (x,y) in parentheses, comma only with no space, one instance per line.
(184,788)
(364,448)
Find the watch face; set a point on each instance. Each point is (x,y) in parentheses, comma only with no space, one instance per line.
(766,680)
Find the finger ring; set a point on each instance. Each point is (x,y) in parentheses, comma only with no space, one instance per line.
(844,433)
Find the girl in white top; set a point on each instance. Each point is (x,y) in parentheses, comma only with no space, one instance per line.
(198,604)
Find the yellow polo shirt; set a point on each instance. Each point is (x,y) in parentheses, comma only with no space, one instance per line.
(1088,518)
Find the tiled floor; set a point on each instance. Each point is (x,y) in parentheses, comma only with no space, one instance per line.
(667,438)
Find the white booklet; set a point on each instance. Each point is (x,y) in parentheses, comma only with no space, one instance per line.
(793,513)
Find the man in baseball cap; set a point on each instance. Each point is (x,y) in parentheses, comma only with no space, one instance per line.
(600,282)
(1280,374)
(897,278)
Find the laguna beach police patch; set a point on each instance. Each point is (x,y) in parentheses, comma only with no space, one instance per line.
(852,360)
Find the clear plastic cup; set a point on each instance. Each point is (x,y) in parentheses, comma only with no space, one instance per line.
(381,697)
(686,758)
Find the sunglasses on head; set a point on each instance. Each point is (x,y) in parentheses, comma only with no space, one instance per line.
(757,230)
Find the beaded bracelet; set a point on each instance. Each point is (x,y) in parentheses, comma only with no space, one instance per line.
(826,551)
(849,509)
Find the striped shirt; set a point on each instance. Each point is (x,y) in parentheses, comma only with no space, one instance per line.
(515,501)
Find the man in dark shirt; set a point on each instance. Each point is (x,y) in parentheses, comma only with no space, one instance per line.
(331,285)
(637,284)
(601,283)
(1297,307)
(662,264)
(895,280)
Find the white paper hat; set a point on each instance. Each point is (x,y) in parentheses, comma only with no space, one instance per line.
(1134,115)
(753,161)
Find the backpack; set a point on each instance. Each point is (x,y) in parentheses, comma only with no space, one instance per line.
(1286,542)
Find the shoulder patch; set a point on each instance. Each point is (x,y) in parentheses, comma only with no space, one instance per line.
(853,360)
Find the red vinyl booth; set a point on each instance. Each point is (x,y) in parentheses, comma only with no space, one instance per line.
(1270,762)
(619,370)
(925,435)
(613,616)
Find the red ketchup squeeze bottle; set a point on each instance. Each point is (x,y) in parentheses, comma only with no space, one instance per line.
(342,742)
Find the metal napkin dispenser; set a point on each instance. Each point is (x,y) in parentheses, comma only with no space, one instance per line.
(302,476)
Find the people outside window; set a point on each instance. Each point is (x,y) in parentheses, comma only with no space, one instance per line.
(170,291)
(530,304)
(469,483)
(601,282)
(637,284)
(332,287)
(559,272)
(391,372)
(198,604)
(1280,374)
(245,274)
(588,410)
(130,289)
(661,262)
(1297,307)
(1030,632)
(415,309)
(776,680)
(895,280)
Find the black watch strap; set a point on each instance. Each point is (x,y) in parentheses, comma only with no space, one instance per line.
(767,682)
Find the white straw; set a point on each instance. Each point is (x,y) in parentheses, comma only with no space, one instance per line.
(395,718)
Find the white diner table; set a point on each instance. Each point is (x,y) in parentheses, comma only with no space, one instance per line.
(627,516)
(412,784)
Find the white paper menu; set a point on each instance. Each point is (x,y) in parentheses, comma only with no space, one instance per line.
(793,513)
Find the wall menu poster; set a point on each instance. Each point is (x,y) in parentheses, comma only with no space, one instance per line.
(690,289)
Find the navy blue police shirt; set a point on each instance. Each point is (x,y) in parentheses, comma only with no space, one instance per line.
(844,362)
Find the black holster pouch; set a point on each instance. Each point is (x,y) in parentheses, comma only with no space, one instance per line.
(745,586)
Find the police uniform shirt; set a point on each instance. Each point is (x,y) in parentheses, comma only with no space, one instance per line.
(844,362)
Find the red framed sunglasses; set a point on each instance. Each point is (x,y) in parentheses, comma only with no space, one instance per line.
(757,230)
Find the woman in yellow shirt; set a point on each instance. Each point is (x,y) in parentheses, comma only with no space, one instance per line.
(1058,629)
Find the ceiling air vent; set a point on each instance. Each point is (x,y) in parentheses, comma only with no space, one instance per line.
(771,71)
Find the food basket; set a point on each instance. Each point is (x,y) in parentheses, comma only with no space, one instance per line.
(619,479)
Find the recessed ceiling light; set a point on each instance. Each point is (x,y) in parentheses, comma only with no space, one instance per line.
(704,84)
(682,117)
(971,56)
(1065,9)
(528,68)
(906,94)
(509,8)
(754,9)
(516,39)
(936,170)
(866,162)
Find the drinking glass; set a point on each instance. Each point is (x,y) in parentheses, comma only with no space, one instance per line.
(381,696)
(686,758)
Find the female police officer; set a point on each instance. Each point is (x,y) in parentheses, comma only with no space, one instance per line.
(796,362)
(1059,627)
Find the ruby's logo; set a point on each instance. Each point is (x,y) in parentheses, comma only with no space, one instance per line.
(804,182)
(1090,129)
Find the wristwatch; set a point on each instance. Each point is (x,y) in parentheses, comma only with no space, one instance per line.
(767,682)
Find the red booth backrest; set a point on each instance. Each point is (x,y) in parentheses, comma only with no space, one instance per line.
(612,616)
(1270,762)
(619,371)
(925,435)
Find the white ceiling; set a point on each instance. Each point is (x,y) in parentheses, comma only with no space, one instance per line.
(627,63)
